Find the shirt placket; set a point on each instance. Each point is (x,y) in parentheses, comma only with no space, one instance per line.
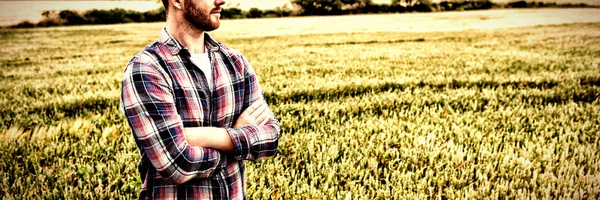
(222,176)
(211,91)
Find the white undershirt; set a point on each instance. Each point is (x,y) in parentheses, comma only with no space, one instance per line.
(203,62)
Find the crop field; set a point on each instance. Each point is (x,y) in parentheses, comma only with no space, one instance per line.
(501,113)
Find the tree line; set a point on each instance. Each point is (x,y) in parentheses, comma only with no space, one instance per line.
(341,7)
(301,8)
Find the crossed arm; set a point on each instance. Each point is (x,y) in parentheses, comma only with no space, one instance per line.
(180,154)
(255,133)
(257,114)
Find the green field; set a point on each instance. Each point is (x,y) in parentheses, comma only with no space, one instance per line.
(472,114)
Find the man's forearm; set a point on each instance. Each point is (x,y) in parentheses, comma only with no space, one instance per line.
(209,137)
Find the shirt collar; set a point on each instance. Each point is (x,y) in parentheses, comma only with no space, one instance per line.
(173,46)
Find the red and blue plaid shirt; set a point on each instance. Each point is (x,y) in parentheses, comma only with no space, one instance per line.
(163,92)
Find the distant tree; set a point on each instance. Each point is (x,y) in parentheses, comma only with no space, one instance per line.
(48,13)
(422,5)
(396,6)
(517,4)
(254,13)
(282,11)
(71,17)
(231,13)
(24,24)
(155,15)
(331,7)
(446,6)
(410,3)
(51,18)
(414,5)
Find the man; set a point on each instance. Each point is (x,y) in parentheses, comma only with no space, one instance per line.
(196,109)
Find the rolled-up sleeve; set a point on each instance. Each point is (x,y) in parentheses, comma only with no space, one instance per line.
(254,142)
(148,104)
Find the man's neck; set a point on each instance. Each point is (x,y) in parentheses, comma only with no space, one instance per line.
(188,36)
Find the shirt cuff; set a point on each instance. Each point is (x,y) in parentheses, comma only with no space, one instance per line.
(241,142)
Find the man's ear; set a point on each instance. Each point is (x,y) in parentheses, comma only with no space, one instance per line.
(177,3)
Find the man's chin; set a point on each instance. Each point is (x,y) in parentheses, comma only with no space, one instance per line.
(214,26)
(214,17)
(216,23)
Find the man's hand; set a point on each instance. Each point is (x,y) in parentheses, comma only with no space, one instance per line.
(256,114)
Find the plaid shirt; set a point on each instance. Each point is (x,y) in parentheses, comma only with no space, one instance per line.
(163,92)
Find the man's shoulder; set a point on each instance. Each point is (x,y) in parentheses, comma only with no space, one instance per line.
(231,52)
(149,60)
(149,55)
(240,63)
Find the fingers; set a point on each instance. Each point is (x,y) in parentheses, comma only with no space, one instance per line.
(263,118)
(256,104)
(258,111)
(251,108)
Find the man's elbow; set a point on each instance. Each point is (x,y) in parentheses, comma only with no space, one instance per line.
(174,181)
(264,153)
(273,142)
(271,152)
(181,170)
(277,135)
(178,176)
(175,177)
(269,148)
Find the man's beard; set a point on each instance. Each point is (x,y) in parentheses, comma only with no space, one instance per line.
(197,18)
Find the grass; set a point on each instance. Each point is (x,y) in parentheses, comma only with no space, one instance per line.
(509,113)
